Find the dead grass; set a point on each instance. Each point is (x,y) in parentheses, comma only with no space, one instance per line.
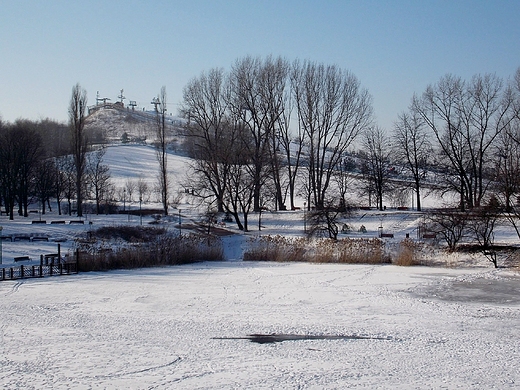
(287,249)
(408,253)
(164,250)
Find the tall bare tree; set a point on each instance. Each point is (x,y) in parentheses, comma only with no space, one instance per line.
(412,147)
(8,169)
(377,147)
(332,110)
(28,154)
(257,88)
(161,145)
(79,142)
(211,135)
(466,118)
(45,182)
(292,146)
(99,177)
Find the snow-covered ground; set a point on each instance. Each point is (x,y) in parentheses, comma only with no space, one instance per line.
(369,326)
(187,327)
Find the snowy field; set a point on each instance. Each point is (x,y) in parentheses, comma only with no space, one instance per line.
(187,327)
(451,326)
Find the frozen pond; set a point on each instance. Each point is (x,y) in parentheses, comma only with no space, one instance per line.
(338,326)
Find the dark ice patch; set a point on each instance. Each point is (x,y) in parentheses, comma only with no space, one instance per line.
(278,338)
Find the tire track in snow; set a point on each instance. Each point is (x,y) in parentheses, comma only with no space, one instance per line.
(14,288)
(153,368)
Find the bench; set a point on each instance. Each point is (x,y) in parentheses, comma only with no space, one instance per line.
(57,222)
(21,258)
(78,222)
(53,257)
(40,237)
(387,235)
(20,237)
(42,222)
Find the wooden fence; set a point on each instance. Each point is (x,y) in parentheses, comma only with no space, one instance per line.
(39,271)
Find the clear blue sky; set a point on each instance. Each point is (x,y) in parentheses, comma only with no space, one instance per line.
(395,48)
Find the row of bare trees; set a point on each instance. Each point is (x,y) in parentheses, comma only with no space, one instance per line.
(269,131)
(40,160)
(458,136)
(241,126)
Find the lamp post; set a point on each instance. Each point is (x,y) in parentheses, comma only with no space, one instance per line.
(140,210)
(1,240)
(304,217)
(180,223)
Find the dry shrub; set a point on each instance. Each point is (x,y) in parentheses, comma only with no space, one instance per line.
(362,251)
(323,251)
(278,248)
(408,253)
(164,250)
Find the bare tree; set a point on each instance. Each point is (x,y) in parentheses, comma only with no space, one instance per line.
(292,146)
(377,147)
(99,177)
(67,178)
(61,180)
(240,189)
(343,180)
(450,224)
(28,154)
(482,224)
(332,110)
(8,169)
(77,115)
(45,182)
(130,187)
(325,221)
(142,189)
(211,134)
(161,145)
(466,118)
(412,147)
(507,167)
(257,99)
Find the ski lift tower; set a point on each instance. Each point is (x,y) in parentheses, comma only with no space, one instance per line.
(121,97)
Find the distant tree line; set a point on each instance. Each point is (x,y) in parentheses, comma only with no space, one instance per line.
(269,131)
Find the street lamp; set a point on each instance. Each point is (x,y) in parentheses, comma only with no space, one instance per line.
(1,240)
(304,217)
(140,212)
